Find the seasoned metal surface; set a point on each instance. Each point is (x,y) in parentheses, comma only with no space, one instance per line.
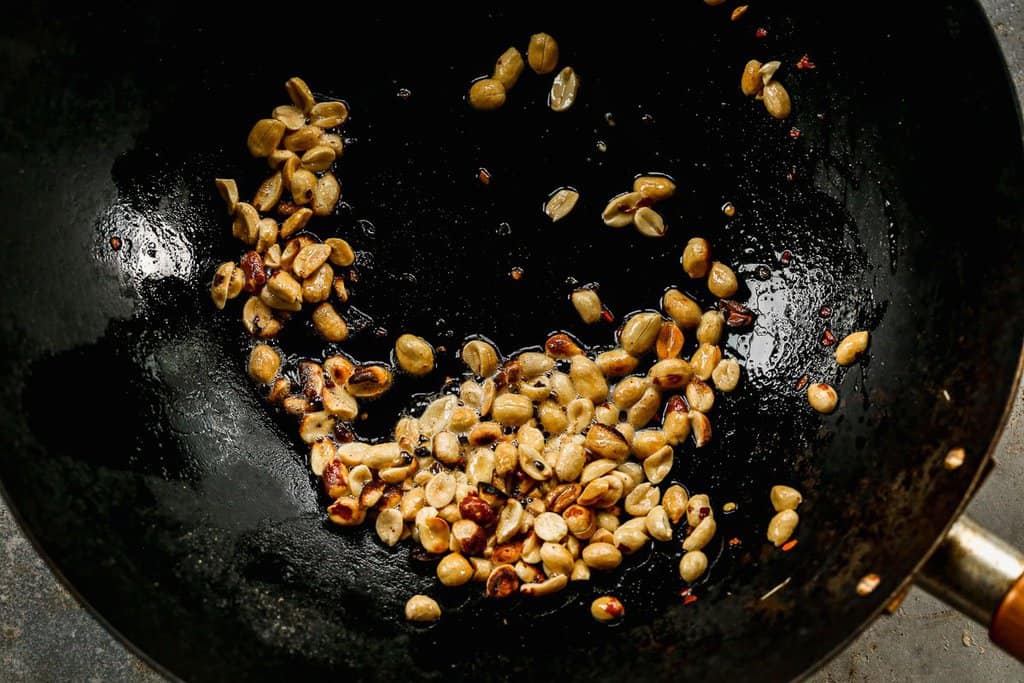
(223,507)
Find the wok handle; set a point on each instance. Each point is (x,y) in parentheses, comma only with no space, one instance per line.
(982,576)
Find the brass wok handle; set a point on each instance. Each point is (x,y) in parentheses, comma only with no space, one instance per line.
(981,575)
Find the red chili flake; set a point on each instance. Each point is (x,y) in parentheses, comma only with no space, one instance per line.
(794,132)
(801,383)
(115,243)
(689,599)
(516,274)
(827,338)
(789,545)
(760,32)
(786,257)
(441,349)
(733,542)
(607,316)
(805,63)
(825,311)
(484,176)
(685,591)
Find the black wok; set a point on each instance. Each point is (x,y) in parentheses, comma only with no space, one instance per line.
(142,462)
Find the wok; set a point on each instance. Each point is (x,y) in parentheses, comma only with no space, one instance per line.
(143,464)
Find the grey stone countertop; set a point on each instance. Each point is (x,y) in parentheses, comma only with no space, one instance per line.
(45,635)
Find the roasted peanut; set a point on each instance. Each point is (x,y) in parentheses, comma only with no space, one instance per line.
(616,363)
(674,501)
(751,81)
(851,348)
(710,329)
(822,397)
(487,94)
(564,90)
(588,379)
(421,608)
(369,381)
(693,565)
(704,360)
(700,396)
(264,137)
(542,53)
(325,194)
(649,222)
(329,323)
(682,309)
(607,608)
(782,525)
(722,280)
(620,210)
(776,100)
(659,464)
(480,357)
(318,158)
(700,427)
(228,191)
(726,374)
(657,524)
(701,534)
(785,498)
(414,355)
(640,332)
(587,304)
(670,341)
(259,320)
(328,114)
(654,188)
(696,258)
(508,68)
(561,203)
(670,374)
(264,362)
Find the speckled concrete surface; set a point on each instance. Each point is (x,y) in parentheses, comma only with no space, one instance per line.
(46,636)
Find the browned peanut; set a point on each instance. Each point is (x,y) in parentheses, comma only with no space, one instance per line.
(328,114)
(317,287)
(259,320)
(508,68)
(700,396)
(302,186)
(300,94)
(644,410)
(674,501)
(292,117)
(588,379)
(268,193)
(264,362)
(264,137)
(670,341)
(245,227)
(318,158)
(850,349)
(602,556)
(422,608)
(776,100)
(704,360)
(369,381)
(629,391)
(642,499)
(314,426)
(782,525)
(655,188)
(303,139)
(671,374)
(722,281)
(646,442)
(696,257)
(587,304)
(640,332)
(325,194)
(341,251)
(297,221)
(480,357)
(751,81)
(619,211)
(605,442)
(822,397)
(228,191)
(710,329)
(701,534)
(542,53)
(414,355)
(487,94)
(616,363)
(309,259)
(607,608)
(502,581)
(512,409)
(700,427)
(454,570)
(659,464)
(329,323)
(222,283)
(649,222)
(693,565)
(785,498)
(266,235)
(682,309)
(346,511)
(564,90)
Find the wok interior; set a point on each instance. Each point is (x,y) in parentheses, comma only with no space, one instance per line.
(144,464)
